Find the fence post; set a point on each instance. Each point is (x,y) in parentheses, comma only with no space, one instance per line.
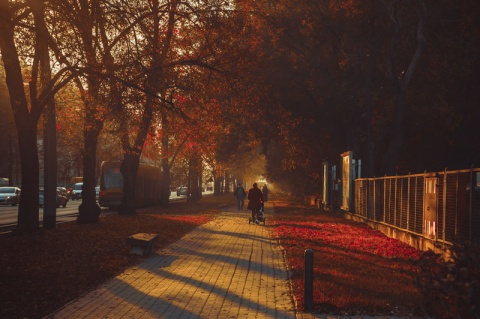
(470,204)
(308,284)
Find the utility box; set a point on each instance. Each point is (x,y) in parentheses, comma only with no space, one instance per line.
(430,207)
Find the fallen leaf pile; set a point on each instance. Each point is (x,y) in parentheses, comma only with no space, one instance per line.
(41,272)
(357,270)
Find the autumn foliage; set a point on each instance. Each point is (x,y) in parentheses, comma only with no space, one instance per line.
(357,270)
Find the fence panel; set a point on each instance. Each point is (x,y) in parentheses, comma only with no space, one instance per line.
(463,211)
(452,206)
(404,203)
(361,198)
(417,194)
(389,201)
(475,208)
(371,203)
(441,230)
(379,186)
(399,201)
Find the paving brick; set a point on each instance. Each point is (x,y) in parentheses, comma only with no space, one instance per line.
(226,268)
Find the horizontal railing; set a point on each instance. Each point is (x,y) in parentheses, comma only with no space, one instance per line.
(443,206)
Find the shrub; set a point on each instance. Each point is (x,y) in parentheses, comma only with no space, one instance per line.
(451,284)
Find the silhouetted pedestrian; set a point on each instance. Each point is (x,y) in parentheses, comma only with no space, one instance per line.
(240,194)
(255,201)
(265,193)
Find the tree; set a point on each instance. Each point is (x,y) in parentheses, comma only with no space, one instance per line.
(98,30)
(182,47)
(69,106)
(325,67)
(20,22)
(400,78)
(8,136)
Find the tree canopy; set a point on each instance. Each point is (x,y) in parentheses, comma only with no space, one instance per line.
(219,83)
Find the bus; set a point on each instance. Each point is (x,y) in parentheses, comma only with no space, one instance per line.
(74,180)
(147,185)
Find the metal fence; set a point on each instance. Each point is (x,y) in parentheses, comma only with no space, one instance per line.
(443,206)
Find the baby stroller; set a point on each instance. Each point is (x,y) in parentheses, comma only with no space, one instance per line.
(260,216)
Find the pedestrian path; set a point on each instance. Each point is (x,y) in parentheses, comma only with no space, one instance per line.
(226,268)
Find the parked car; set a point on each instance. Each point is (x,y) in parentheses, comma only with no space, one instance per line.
(61,199)
(9,195)
(182,190)
(64,192)
(76,191)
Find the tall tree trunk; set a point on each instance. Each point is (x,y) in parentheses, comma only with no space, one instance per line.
(50,126)
(28,210)
(50,167)
(217,180)
(227,182)
(398,132)
(200,180)
(26,121)
(131,159)
(400,82)
(153,84)
(89,211)
(194,177)
(129,169)
(165,182)
(369,143)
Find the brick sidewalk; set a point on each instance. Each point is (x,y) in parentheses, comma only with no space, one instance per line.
(226,268)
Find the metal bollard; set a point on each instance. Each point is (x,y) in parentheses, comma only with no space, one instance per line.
(308,281)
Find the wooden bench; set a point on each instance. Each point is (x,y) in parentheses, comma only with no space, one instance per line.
(223,207)
(141,243)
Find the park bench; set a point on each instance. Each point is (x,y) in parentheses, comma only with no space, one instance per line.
(223,207)
(141,243)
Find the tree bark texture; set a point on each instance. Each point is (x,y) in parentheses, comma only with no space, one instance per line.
(129,169)
(396,134)
(165,195)
(26,121)
(89,211)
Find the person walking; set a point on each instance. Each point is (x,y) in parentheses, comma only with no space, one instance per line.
(240,194)
(255,201)
(265,193)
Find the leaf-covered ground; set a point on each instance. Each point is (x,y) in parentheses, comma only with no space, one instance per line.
(41,272)
(357,270)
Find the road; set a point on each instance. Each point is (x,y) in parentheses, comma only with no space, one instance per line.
(9,214)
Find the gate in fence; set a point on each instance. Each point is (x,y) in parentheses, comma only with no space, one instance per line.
(442,207)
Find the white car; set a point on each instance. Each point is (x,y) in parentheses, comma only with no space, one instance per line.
(9,195)
(76,191)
